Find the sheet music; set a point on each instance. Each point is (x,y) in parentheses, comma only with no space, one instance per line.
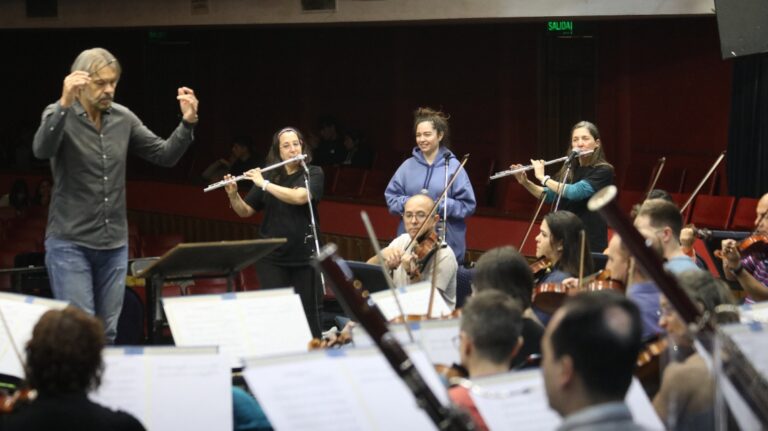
(21,314)
(434,336)
(169,388)
(752,341)
(242,324)
(414,298)
(518,400)
(754,312)
(350,389)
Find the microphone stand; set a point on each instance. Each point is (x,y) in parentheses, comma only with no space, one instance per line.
(312,221)
(561,183)
(444,233)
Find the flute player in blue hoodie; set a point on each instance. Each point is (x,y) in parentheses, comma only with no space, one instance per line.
(424,172)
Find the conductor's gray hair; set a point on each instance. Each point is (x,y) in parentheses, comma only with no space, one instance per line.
(94,59)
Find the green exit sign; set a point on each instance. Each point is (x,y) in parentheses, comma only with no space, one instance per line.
(561,27)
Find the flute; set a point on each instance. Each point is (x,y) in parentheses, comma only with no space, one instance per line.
(223,183)
(509,172)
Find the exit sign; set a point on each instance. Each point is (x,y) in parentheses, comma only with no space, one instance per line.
(560,27)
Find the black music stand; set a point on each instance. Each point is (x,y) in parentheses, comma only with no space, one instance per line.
(370,275)
(188,261)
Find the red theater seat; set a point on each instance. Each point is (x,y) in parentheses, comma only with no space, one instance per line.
(349,182)
(744,215)
(712,212)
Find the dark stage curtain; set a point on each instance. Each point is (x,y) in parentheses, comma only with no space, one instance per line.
(748,131)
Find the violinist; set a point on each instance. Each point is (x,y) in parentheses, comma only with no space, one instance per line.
(506,270)
(489,338)
(63,364)
(662,219)
(685,400)
(412,266)
(559,242)
(749,269)
(640,288)
(590,174)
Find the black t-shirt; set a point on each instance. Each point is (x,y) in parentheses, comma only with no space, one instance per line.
(68,412)
(283,220)
(597,231)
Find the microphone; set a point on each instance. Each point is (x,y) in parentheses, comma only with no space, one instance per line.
(572,156)
(304,165)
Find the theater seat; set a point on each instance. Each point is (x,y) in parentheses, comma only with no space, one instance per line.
(744,215)
(712,212)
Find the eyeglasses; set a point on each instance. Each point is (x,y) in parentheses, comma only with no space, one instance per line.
(420,216)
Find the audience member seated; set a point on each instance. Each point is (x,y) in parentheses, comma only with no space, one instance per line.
(357,153)
(330,148)
(63,364)
(241,159)
(589,352)
(491,324)
(506,270)
(685,400)
(18,197)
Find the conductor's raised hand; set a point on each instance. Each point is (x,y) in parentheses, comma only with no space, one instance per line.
(73,85)
(188,103)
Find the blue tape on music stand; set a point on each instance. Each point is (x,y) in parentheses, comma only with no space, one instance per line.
(133,350)
(335,352)
(229,295)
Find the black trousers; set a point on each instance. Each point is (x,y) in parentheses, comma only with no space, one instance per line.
(304,279)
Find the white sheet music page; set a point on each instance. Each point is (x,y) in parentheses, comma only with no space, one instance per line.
(414,298)
(518,400)
(21,313)
(244,324)
(337,390)
(435,337)
(169,388)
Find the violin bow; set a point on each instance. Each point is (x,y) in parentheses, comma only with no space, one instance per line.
(583,252)
(738,370)
(703,180)
(656,175)
(443,195)
(533,220)
(384,269)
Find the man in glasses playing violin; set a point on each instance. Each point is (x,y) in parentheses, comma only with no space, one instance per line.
(416,264)
(750,267)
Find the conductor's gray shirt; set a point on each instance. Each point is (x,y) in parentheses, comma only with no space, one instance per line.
(88,198)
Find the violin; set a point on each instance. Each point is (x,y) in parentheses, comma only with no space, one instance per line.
(8,402)
(757,243)
(425,248)
(548,297)
(603,281)
(541,267)
(451,372)
(648,365)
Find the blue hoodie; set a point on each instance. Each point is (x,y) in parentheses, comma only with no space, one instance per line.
(416,175)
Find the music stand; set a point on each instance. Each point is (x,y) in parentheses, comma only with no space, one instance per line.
(370,275)
(189,261)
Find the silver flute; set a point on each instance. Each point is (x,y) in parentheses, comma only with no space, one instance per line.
(223,183)
(509,172)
